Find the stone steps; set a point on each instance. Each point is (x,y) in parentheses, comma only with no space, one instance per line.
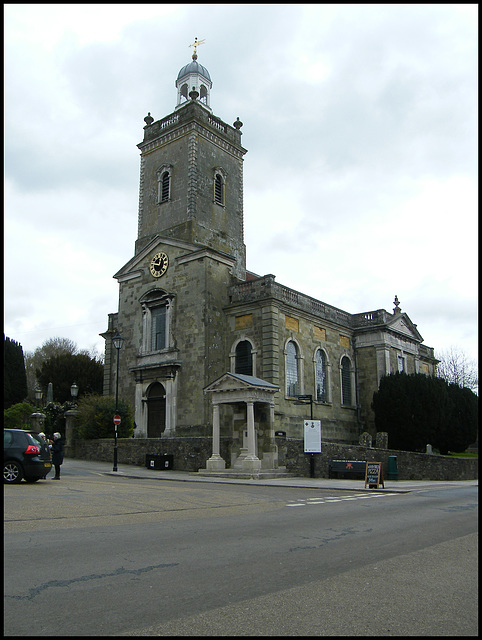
(267,474)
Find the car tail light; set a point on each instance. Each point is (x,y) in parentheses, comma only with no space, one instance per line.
(32,449)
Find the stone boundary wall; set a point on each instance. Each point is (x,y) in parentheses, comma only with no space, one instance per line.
(190,454)
(410,465)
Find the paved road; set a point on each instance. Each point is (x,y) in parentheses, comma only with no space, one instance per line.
(114,555)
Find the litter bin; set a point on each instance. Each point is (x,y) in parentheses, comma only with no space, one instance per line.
(153,461)
(167,461)
(159,461)
(392,468)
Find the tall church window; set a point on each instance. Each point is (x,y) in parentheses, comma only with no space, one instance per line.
(243,358)
(346,386)
(219,184)
(158,328)
(321,376)
(156,321)
(292,372)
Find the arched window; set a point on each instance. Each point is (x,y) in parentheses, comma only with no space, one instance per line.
(292,373)
(156,318)
(219,187)
(346,390)
(203,94)
(321,377)
(243,358)
(164,184)
(183,91)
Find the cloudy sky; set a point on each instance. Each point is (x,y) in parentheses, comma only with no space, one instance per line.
(360,179)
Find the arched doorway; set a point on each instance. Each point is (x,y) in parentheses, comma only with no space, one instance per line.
(156,410)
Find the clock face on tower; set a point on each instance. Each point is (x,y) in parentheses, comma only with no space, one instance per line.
(158,265)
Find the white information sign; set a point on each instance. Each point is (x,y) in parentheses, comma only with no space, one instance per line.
(312,436)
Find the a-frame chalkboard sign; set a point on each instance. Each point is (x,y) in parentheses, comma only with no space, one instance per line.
(374,475)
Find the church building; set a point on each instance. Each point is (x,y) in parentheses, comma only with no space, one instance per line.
(211,349)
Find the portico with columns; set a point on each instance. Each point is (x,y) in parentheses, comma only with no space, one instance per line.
(257,448)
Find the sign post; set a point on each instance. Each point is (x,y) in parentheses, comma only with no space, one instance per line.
(312,433)
(117,421)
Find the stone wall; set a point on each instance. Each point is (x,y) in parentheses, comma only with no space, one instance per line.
(190,454)
(410,465)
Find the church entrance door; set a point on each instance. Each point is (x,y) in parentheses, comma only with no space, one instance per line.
(156,410)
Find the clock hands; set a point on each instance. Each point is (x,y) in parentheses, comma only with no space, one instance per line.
(159,264)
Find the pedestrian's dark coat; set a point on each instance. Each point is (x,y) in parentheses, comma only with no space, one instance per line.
(57,451)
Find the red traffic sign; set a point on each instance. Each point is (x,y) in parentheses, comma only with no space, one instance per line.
(117,419)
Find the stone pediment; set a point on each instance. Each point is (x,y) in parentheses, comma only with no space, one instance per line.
(401,323)
(133,268)
(237,381)
(235,387)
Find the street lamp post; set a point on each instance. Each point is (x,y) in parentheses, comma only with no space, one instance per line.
(38,395)
(74,392)
(117,341)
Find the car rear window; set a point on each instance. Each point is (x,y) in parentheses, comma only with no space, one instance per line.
(7,438)
(36,439)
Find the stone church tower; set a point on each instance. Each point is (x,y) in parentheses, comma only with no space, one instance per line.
(213,350)
(189,249)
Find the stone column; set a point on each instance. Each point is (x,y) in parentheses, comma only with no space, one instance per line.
(215,462)
(270,455)
(37,421)
(69,431)
(251,463)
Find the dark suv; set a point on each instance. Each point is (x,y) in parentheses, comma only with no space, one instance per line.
(25,455)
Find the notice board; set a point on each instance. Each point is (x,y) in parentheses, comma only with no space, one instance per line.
(312,430)
(374,475)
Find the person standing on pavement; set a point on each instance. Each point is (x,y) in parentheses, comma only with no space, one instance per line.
(57,454)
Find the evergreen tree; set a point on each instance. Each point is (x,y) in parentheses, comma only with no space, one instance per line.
(65,369)
(14,376)
(460,427)
(417,410)
(96,414)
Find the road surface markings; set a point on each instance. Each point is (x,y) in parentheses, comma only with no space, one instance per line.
(304,502)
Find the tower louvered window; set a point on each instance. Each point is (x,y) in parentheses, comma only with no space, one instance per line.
(165,185)
(218,189)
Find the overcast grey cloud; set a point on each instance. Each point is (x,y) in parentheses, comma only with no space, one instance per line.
(360,180)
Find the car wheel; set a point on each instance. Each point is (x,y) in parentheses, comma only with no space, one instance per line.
(12,472)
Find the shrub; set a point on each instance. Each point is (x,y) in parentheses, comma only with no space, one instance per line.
(96,418)
(18,416)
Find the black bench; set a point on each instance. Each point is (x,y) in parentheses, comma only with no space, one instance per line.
(347,469)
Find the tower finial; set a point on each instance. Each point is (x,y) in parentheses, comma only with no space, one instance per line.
(196,44)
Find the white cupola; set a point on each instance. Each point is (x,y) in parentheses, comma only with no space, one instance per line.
(194,82)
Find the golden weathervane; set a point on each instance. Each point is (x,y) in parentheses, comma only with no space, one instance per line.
(196,44)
